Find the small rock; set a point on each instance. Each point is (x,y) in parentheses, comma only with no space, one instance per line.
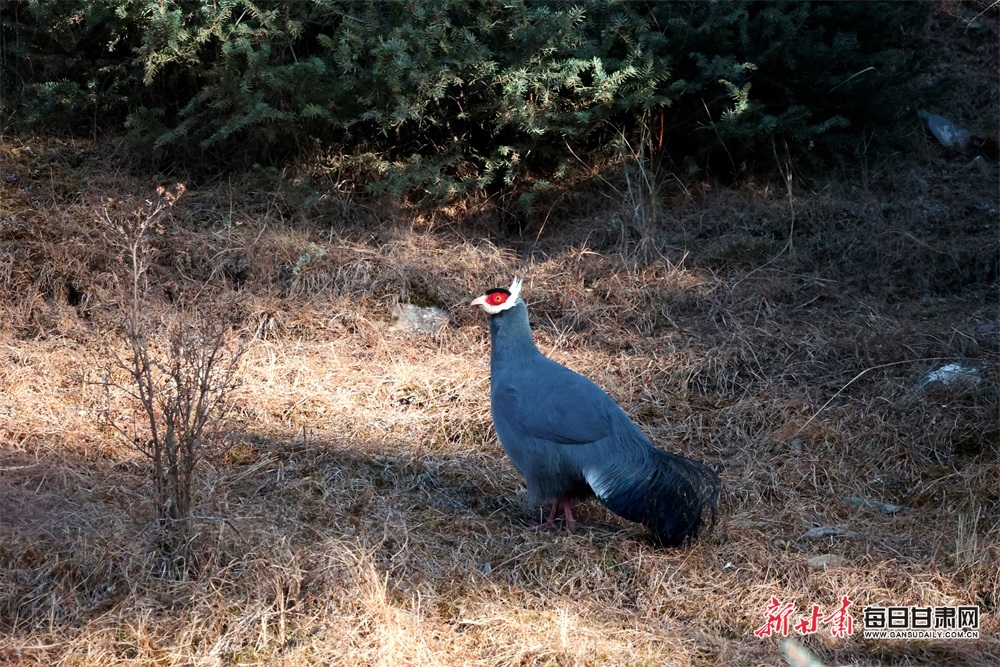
(825,561)
(951,374)
(949,134)
(885,508)
(989,329)
(418,319)
(747,523)
(485,568)
(820,532)
(977,163)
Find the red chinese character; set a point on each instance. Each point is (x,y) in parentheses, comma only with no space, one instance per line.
(777,619)
(809,625)
(843,624)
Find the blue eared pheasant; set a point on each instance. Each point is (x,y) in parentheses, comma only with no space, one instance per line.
(570,440)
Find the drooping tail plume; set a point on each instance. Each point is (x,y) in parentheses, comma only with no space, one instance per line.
(674,496)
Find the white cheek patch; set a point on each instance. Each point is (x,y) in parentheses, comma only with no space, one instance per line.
(493,310)
(490,309)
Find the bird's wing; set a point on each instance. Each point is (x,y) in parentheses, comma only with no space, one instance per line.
(551,402)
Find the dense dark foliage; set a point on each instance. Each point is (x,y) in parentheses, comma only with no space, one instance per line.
(444,97)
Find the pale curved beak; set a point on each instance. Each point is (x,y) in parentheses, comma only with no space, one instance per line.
(479,301)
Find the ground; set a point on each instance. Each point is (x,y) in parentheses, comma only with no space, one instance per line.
(357,507)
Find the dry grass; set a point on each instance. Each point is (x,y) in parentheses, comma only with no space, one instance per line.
(362,510)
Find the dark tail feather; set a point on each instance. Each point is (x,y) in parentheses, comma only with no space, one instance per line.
(676,497)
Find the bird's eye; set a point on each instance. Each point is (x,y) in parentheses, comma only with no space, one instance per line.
(497,298)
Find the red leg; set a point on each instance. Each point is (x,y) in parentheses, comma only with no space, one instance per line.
(567,509)
(568,515)
(550,522)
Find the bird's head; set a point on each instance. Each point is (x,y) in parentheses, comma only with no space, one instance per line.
(499,299)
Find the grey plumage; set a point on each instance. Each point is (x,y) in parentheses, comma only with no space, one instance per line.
(570,440)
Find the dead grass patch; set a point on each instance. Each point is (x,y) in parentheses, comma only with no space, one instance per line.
(365,512)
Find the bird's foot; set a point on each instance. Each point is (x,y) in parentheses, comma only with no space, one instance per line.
(568,516)
(542,527)
(550,522)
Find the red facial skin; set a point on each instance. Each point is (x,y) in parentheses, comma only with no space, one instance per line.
(496,298)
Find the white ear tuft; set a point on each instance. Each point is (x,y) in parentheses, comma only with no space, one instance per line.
(515,289)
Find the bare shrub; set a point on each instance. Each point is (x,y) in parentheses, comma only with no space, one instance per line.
(174,376)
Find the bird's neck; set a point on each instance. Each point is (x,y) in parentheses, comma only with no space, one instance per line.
(510,335)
